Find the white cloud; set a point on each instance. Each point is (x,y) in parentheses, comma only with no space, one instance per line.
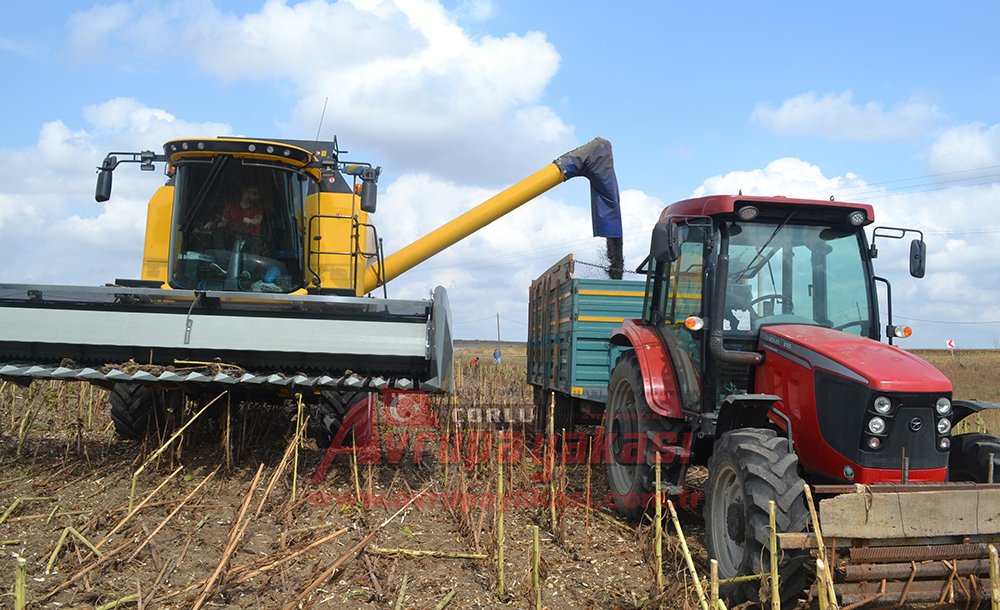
(838,117)
(51,228)
(965,148)
(789,177)
(400,77)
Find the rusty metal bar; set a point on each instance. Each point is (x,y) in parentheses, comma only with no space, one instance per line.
(899,571)
(896,554)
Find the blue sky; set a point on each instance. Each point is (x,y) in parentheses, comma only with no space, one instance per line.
(895,104)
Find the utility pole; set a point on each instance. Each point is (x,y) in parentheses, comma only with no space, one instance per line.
(498,327)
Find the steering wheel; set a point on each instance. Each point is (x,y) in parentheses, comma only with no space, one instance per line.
(774,298)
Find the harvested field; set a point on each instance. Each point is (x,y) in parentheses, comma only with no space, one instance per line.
(413,525)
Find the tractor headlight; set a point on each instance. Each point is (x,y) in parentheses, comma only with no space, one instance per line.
(876,425)
(943,406)
(944,425)
(883,405)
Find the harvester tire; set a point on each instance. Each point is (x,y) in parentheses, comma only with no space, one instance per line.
(748,468)
(329,414)
(135,410)
(969,459)
(629,429)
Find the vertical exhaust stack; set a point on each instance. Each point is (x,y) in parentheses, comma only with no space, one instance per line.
(593,160)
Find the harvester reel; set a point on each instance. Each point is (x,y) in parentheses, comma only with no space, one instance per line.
(748,468)
(969,459)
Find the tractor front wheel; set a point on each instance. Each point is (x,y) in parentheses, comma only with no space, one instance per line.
(748,468)
(969,459)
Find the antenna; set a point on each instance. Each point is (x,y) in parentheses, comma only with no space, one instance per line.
(321,116)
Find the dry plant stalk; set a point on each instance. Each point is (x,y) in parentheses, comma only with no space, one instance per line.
(821,549)
(994,578)
(278,471)
(658,526)
(586,512)
(118,603)
(424,553)
(500,512)
(24,500)
(402,593)
(441,605)
(775,596)
(293,604)
(536,584)
(285,559)
(821,584)
(132,511)
(20,588)
(235,535)
(298,441)
(164,446)
(687,556)
(62,539)
(176,510)
(713,584)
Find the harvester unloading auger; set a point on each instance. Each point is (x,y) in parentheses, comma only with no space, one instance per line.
(258,256)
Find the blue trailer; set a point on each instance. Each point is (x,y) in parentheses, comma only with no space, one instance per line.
(570,321)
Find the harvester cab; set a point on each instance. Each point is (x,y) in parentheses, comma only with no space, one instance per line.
(759,354)
(241,215)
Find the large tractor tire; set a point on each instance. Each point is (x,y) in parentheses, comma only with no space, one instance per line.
(969,459)
(748,468)
(332,412)
(137,410)
(629,429)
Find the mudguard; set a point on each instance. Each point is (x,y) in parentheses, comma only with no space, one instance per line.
(658,378)
(965,408)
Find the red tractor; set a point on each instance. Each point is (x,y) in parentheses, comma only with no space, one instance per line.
(759,355)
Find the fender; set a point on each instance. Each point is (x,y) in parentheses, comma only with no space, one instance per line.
(658,379)
(965,408)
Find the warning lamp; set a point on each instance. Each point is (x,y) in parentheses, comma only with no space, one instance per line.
(694,323)
(900,332)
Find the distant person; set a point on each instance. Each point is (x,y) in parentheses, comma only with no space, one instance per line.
(497,356)
(474,362)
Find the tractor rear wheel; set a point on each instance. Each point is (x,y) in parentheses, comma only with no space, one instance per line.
(748,468)
(630,430)
(137,410)
(969,459)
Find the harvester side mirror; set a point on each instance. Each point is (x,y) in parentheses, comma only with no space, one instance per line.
(918,258)
(103,192)
(666,246)
(369,196)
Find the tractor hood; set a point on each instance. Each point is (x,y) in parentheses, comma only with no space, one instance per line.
(882,367)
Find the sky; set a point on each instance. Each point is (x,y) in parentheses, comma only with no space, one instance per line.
(890,103)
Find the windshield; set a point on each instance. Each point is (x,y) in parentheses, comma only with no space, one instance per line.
(236,226)
(783,273)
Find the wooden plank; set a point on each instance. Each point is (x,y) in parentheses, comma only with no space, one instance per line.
(911,514)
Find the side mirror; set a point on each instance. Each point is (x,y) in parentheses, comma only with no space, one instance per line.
(103,192)
(666,245)
(369,196)
(918,258)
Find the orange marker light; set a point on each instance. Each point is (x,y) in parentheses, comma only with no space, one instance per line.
(694,323)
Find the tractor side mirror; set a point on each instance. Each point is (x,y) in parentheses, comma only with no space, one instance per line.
(918,258)
(666,246)
(103,191)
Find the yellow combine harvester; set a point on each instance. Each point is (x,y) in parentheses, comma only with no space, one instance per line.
(260,255)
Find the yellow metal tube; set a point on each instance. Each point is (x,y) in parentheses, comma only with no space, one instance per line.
(466,224)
